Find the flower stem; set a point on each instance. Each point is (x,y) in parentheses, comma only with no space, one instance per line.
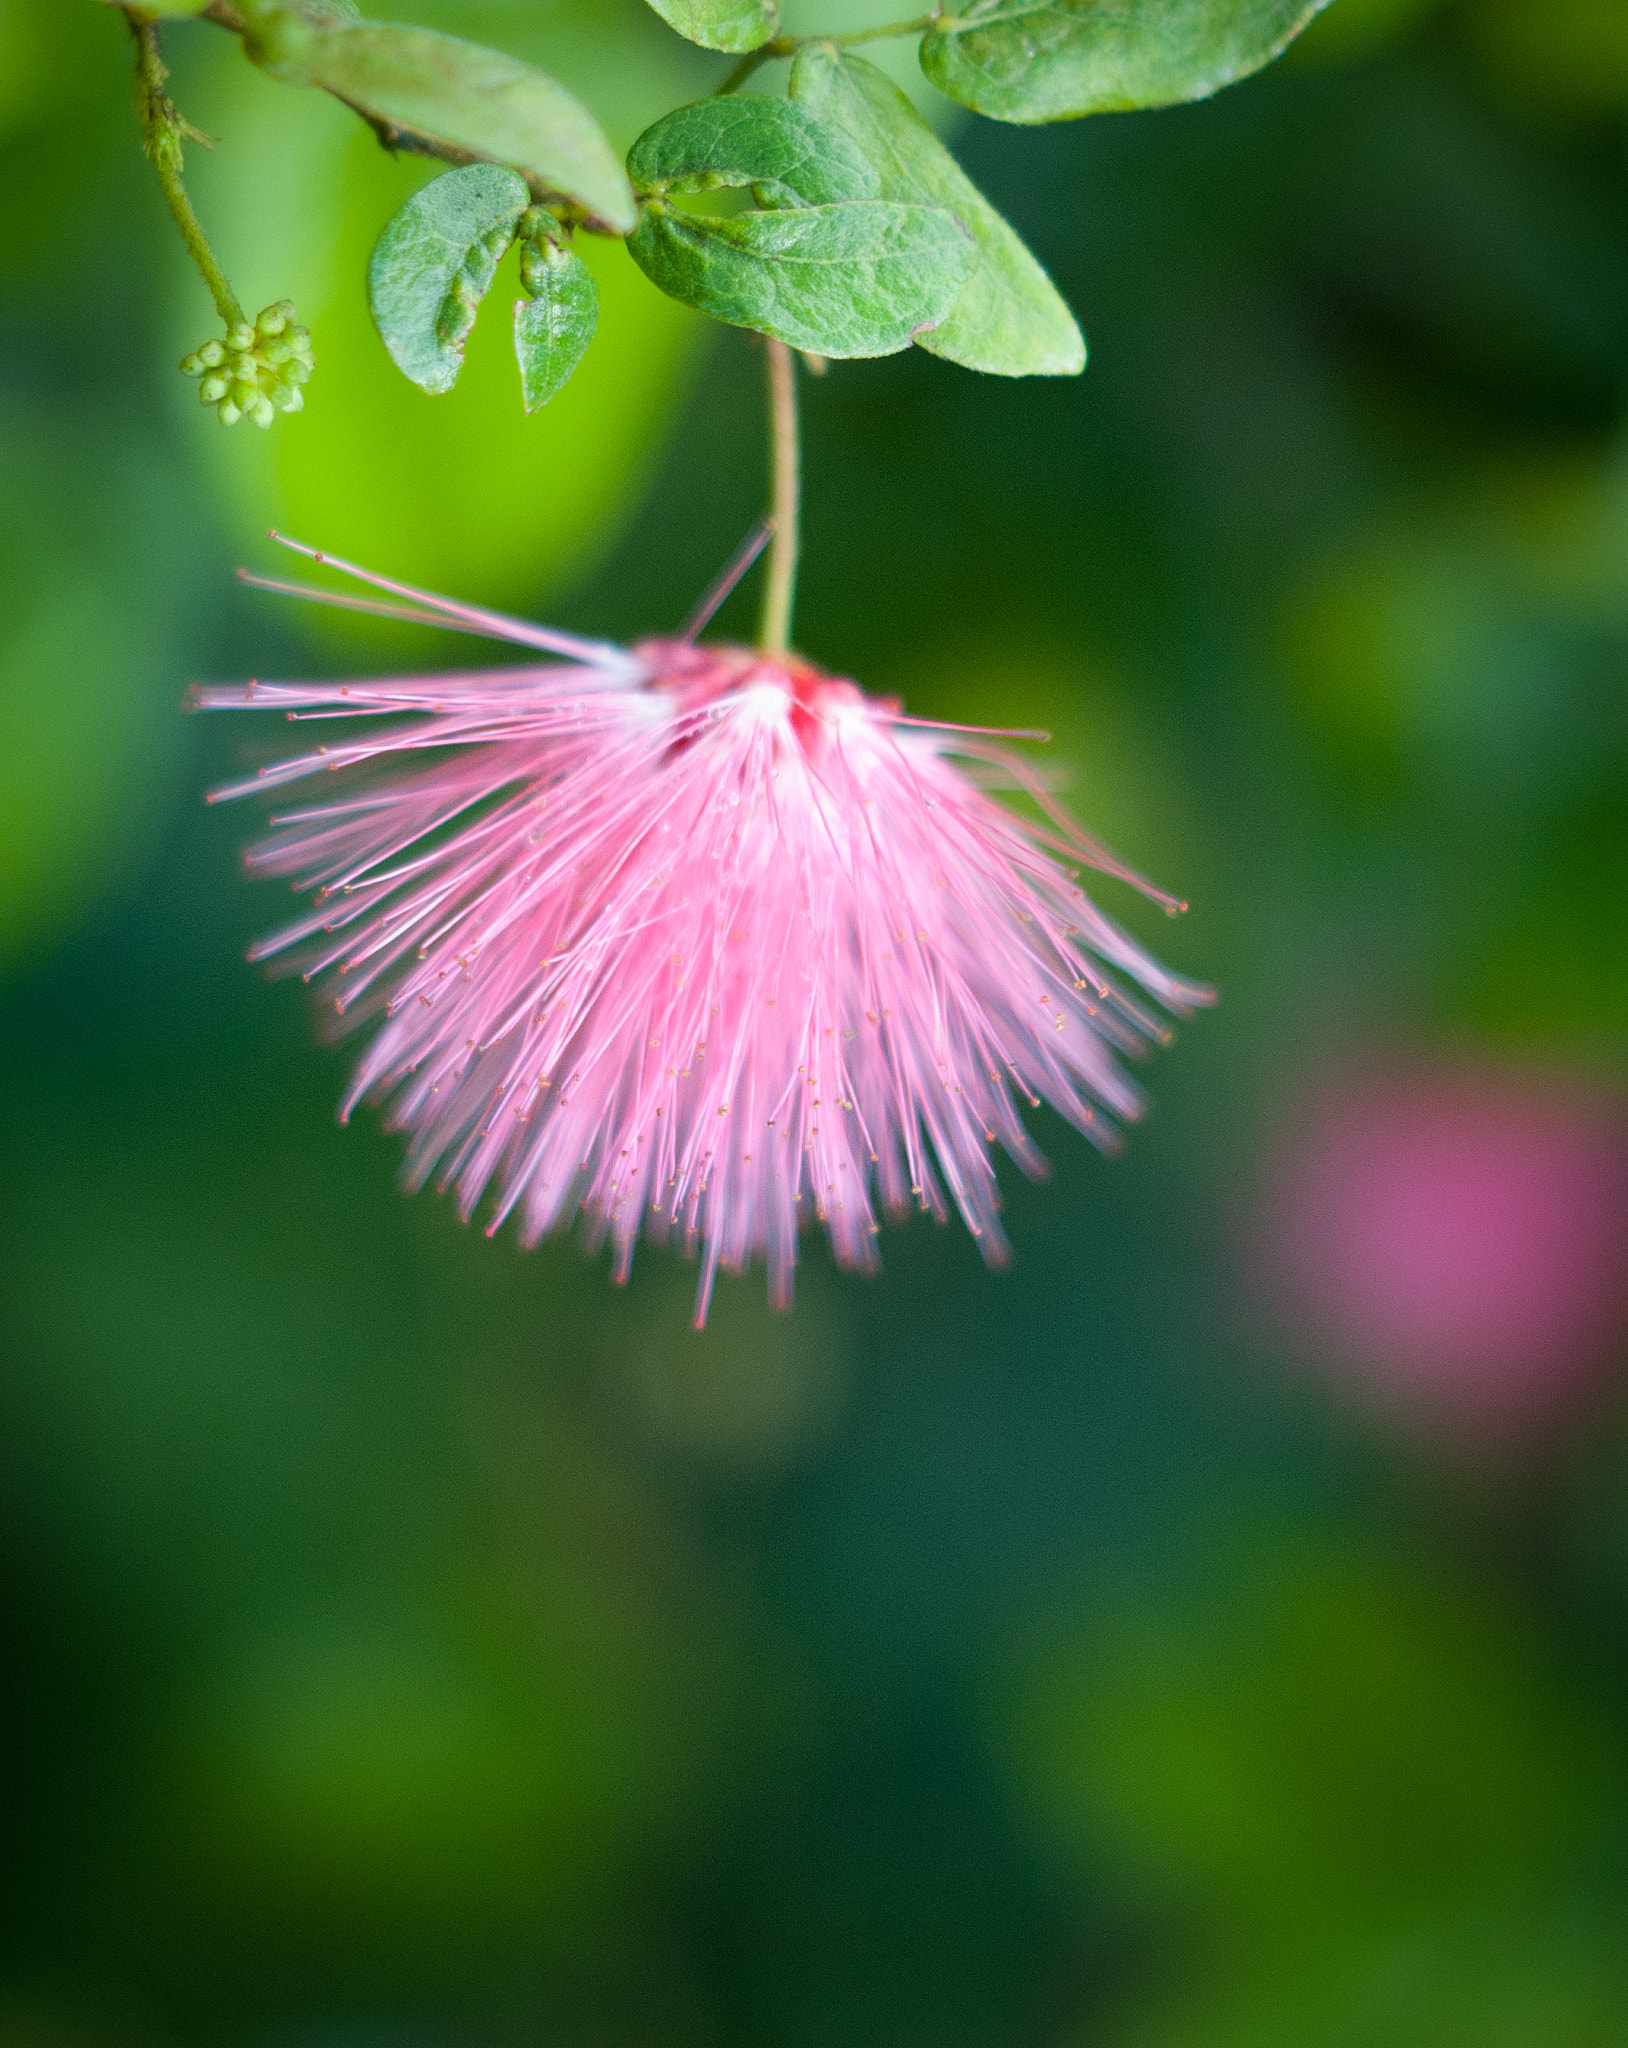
(162,130)
(788,46)
(780,580)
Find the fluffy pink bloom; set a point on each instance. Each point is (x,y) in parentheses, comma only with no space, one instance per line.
(695,941)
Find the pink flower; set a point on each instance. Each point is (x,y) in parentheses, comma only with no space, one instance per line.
(698,942)
(1452,1241)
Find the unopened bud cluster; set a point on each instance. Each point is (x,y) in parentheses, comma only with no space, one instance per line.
(256,372)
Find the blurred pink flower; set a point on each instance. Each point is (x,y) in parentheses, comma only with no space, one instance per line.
(689,939)
(1455,1240)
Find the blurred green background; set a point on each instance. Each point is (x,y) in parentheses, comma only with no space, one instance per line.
(1212,1630)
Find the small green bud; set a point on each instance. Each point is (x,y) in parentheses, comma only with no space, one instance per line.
(538,224)
(254,371)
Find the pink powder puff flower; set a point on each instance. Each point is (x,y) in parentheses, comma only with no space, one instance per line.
(694,940)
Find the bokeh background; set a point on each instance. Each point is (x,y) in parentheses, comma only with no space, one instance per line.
(1213,1630)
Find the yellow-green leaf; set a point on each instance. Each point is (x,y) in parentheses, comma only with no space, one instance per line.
(415,83)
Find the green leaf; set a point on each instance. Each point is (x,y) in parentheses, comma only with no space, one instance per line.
(855,279)
(415,84)
(733,25)
(552,329)
(1009,319)
(783,152)
(1052,60)
(434,263)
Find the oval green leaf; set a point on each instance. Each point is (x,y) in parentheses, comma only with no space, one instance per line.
(1053,60)
(733,25)
(858,279)
(552,329)
(416,85)
(787,155)
(1009,320)
(434,264)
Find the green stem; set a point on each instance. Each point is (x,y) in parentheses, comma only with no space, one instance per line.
(917,26)
(788,46)
(162,130)
(780,580)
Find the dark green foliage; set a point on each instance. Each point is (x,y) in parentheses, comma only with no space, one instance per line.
(786,155)
(860,279)
(824,265)
(1052,60)
(1009,318)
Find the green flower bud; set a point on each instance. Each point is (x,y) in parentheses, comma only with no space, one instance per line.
(538,224)
(254,371)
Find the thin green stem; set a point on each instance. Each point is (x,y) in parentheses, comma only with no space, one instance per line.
(747,65)
(918,25)
(163,130)
(785,486)
(788,46)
